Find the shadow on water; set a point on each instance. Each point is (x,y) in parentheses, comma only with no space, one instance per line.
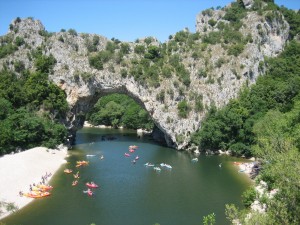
(132,193)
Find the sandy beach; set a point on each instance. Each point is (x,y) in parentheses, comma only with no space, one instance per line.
(18,171)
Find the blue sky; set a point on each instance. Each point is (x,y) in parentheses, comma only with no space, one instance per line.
(125,20)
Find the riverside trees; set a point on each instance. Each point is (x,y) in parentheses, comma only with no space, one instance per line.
(264,122)
(31,108)
(120,110)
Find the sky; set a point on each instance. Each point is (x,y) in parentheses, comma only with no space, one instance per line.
(125,20)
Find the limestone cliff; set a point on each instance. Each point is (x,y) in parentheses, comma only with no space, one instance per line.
(214,70)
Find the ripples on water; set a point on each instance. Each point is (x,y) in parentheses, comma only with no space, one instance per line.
(133,194)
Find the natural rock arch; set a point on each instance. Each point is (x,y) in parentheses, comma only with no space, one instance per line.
(84,84)
(83,105)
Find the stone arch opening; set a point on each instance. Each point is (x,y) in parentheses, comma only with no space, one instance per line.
(83,105)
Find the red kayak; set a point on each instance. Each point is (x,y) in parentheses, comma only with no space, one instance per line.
(92,185)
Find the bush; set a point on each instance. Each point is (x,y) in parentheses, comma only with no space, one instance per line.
(45,63)
(139,49)
(7,50)
(153,52)
(111,46)
(212,22)
(72,32)
(125,48)
(19,41)
(97,61)
(249,196)
(183,109)
(235,49)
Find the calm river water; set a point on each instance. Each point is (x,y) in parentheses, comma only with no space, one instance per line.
(133,194)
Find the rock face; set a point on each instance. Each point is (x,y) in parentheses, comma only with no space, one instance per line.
(84,85)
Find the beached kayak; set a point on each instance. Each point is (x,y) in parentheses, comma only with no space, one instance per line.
(35,194)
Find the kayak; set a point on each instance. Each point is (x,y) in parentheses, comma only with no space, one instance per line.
(127,154)
(34,194)
(82,163)
(75,182)
(92,185)
(44,187)
(133,147)
(68,171)
(89,192)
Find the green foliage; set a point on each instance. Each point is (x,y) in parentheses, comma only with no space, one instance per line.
(119,110)
(72,32)
(213,37)
(19,66)
(139,49)
(45,63)
(152,53)
(91,45)
(293,18)
(212,22)
(210,219)
(19,41)
(7,49)
(264,121)
(125,48)
(20,100)
(183,109)
(235,49)
(181,36)
(249,196)
(97,60)
(111,46)
(235,12)
(148,40)
(161,96)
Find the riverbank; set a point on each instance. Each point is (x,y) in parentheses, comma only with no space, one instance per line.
(19,171)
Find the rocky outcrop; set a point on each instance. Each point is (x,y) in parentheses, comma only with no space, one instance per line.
(84,85)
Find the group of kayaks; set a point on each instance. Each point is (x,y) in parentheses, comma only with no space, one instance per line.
(158,168)
(39,191)
(132,149)
(90,185)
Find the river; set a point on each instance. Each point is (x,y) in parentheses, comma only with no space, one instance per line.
(133,194)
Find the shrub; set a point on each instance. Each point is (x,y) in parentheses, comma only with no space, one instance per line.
(153,52)
(45,63)
(148,40)
(183,109)
(139,49)
(235,49)
(161,96)
(7,50)
(123,72)
(181,36)
(99,59)
(212,22)
(19,41)
(72,32)
(19,66)
(111,46)
(125,48)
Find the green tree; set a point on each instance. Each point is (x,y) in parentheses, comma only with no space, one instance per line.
(210,219)
(45,63)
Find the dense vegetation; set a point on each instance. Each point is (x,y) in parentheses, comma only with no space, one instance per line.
(31,107)
(119,110)
(264,122)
